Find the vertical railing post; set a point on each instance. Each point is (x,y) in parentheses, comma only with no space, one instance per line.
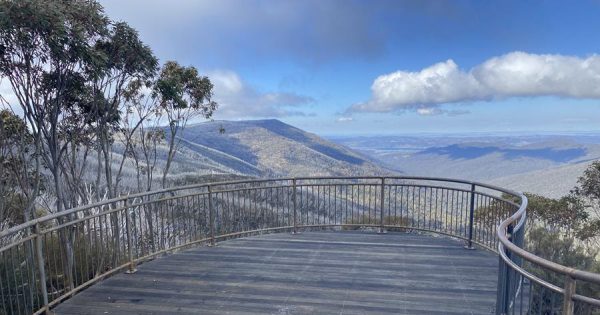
(211,217)
(295,224)
(471,217)
(505,285)
(131,269)
(568,304)
(501,304)
(41,266)
(381,207)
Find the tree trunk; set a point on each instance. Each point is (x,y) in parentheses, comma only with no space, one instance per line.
(169,160)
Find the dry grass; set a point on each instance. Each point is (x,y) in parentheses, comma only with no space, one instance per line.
(364,219)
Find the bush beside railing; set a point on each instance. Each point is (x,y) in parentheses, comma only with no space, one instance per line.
(47,260)
(528,284)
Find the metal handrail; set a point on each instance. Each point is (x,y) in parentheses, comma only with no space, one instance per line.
(506,244)
(509,250)
(48,217)
(121,232)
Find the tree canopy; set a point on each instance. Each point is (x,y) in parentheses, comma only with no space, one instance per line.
(74,73)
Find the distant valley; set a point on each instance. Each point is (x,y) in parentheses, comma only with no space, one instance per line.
(544,164)
(548,165)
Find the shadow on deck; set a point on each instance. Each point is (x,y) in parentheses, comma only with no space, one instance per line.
(310,273)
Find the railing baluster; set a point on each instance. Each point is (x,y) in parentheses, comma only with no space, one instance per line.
(41,266)
(504,293)
(295,229)
(471,217)
(211,217)
(131,269)
(568,304)
(381,206)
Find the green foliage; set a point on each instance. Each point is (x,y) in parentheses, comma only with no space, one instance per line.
(45,48)
(557,230)
(122,51)
(12,129)
(565,231)
(588,190)
(76,74)
(120,58)
(566,214)
(11,208)
(15,168)
(567,252)
(181,87)
(51,31)
(590,230)
(589,183)
(73,72)
(489,215)
(182,94)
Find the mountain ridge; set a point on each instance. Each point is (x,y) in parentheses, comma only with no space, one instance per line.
(271,148)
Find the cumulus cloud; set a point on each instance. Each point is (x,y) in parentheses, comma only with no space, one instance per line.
(517,74)
(238,99)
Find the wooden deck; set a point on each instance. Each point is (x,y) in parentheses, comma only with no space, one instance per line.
(310,273)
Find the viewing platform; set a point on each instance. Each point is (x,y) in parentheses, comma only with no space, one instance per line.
(333,245)
(345,272)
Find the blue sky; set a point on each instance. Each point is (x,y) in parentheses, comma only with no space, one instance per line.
(387,67)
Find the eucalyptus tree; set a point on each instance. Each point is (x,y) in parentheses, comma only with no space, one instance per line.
(122,60)
(183,94)
(142,119)
(45,48)
(118,58)
(75,75)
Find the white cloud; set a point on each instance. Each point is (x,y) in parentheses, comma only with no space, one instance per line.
(522,74)
(428,111)
(434,110)
(516,74)
(237,99)
(344,119)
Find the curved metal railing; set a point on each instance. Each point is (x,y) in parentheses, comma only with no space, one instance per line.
(529,284)
(47,260)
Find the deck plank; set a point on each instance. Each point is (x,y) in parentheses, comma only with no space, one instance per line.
(353,272)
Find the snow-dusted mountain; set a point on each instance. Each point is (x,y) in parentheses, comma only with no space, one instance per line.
(268,148)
